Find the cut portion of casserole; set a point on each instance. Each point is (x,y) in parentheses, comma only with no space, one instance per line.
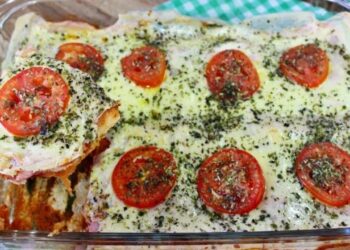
(52,117)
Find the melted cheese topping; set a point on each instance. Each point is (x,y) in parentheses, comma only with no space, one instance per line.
(182,117)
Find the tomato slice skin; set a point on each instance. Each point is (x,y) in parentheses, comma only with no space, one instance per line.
(82,56)
(231,71)
(145,66)
(324,170)
(32,100)
(306,65)
(144,177)
(231,182)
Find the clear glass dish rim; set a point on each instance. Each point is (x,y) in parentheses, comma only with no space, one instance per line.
(179,238)
(7,8)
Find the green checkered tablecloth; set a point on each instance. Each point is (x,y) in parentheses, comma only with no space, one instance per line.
(236,10)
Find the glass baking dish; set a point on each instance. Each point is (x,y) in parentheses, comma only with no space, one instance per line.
(102,13)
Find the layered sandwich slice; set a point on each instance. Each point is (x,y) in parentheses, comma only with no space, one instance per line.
(51,117)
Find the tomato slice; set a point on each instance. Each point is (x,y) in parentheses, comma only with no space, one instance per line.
(82,56)
(145,66)
(324,170)
(231,181)
(32,100)
(230,74)
(307,65)
(144,176)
